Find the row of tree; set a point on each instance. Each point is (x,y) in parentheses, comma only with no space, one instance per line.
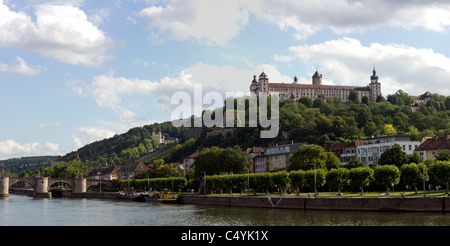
(337,178)
(174,183)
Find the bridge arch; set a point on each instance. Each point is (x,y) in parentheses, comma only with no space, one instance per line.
(30,181)
(69,182)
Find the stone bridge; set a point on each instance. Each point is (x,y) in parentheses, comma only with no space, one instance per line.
(41,185)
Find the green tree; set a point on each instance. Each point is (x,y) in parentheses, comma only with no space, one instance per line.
(337,178)
(389,129)
(332,161)
(360,177)
(386,175)
(441,171)
(321,178)
(354,162)
(307,154)
(353,96)
(393,155)
(281,179)
(215,160)
(297,179)
(412,174)
(442,155)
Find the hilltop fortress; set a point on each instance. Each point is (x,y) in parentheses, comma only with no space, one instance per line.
(295,90)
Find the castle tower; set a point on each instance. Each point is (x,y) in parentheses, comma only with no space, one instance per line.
(317,78)
(263,82)
(374,86)
(254,86)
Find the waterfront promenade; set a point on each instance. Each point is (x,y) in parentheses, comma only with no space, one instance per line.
(363,203)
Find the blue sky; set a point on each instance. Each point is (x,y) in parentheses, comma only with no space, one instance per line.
(77,71)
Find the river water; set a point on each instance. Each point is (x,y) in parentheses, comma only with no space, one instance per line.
(20,210)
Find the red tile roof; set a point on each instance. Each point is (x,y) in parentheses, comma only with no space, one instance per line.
(434,143)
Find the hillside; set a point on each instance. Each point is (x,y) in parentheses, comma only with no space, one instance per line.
(317,122)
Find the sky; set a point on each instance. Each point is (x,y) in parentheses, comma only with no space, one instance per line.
(77,71)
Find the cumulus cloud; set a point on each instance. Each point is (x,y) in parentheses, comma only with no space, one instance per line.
(347,61)
(87,135)
(344,16)
(207,21)
(12,149)
(21,66)
(110,91)
(59,31)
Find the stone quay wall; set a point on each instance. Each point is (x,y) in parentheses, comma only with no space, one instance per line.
(407,204)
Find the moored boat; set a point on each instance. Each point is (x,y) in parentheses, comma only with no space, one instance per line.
(137,197)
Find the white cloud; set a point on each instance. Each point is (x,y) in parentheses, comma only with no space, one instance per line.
(110,91)
(343,16)
(21,66)
(213,22)
(12,149)
(347,61)
(87,135)
(48,123)
(62,32)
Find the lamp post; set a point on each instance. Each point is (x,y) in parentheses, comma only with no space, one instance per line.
(423,171)
(315,180)
(248,182)
(205,182)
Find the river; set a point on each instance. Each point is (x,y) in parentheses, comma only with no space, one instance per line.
(20,210)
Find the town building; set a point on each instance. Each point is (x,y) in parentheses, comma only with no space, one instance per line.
(422,99)
(188,163)
(294,90)
(161,139)
(344,151)
(259,159)
(131,169)
(372,148)
(430,146)
(260,163)
(103,173)
(277,157)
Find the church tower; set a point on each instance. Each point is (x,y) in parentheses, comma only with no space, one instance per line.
(254,87)
(374,86)
(317,78)
(263,82)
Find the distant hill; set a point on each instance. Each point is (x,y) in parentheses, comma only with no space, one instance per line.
(17,165)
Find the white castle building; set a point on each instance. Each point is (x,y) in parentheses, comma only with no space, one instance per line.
(294,90)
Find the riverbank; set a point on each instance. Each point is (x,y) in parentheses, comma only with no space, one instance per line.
(398,204)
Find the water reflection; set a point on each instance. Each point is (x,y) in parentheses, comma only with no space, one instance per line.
(23,210)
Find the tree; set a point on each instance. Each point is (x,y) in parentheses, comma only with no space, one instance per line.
(441,171)
(306,101)
(332,161)
(412,174)
(386,175)
(389,129)
(337,178)
(365,100)
(281,179)
(307,154)
(159,169)
(393,155)
(215,160)
(321,177)
(355,162)
(353,96)
(297,179)
(442,155)
(360,177)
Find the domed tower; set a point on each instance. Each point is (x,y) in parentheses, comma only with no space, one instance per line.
(263,82)
(317,78)
(254,86)
(374,86)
